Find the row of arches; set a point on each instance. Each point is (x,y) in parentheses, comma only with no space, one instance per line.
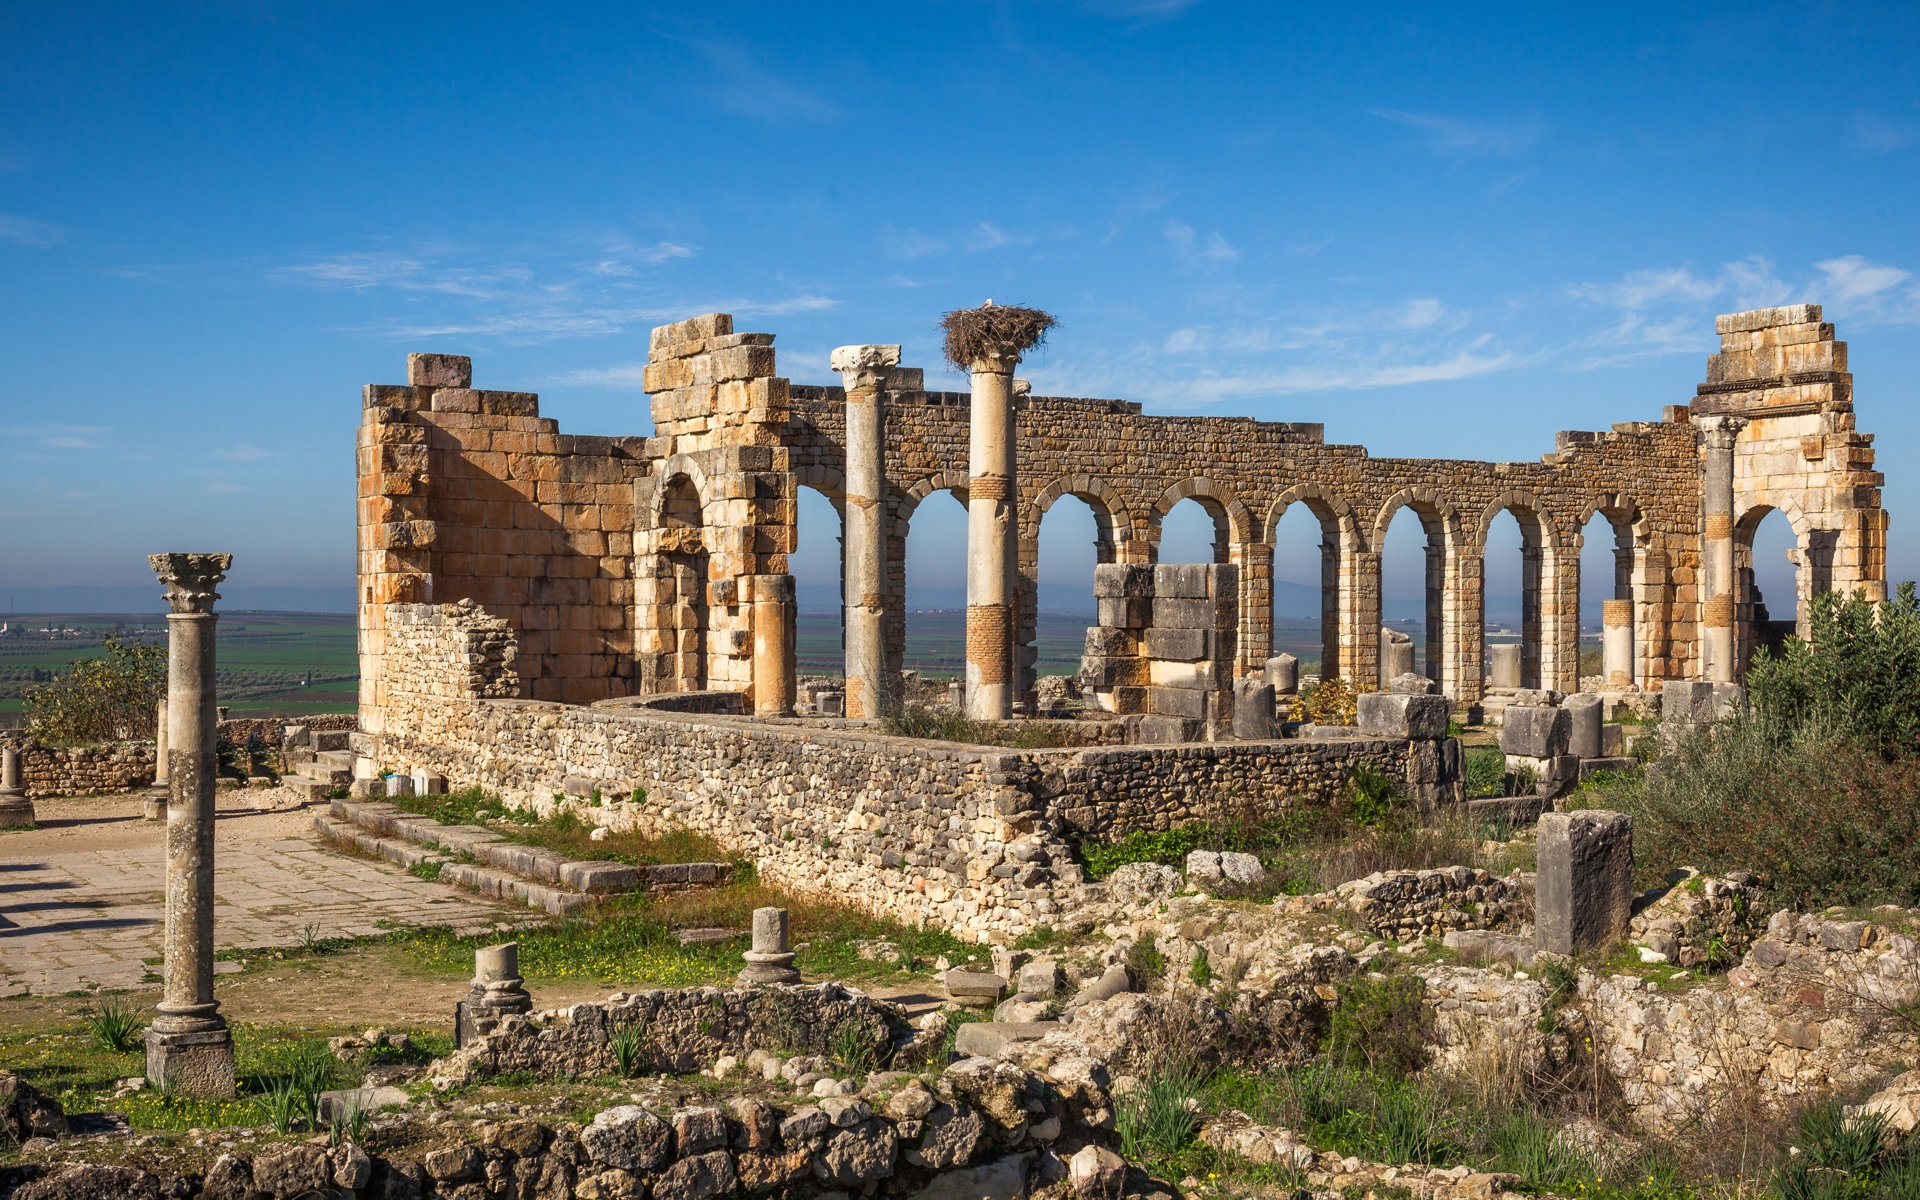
(1517,558)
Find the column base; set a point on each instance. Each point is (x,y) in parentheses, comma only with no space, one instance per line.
(766,973)
(192,1064)
(15,810)
(154,806)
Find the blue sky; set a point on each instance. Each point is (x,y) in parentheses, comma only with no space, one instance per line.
(1445,230)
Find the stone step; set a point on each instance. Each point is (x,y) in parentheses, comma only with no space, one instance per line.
(306,789)
(593,876)
(339,760)
(331,739)
(989,1039)
(484,881)
(333,777)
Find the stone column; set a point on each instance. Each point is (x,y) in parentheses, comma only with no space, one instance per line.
(15,808)
(154,807)
(1717,438)
(991,549)
(772,616)
(1616,643)
(189,1047)
(870,691)
(770,961)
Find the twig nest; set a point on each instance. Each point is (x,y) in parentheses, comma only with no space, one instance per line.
(993,333)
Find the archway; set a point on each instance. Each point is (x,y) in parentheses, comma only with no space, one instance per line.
(818,565)
(1413,581)
(1194,530)
(685,553)
(1075,534)
(1767,585)
(1609,656)
(934,577)
(1510,571)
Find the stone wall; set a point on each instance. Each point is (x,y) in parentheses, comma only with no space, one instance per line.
(974,838)
(83,770)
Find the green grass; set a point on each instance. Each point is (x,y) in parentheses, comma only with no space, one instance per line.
(262,657)
(564,833)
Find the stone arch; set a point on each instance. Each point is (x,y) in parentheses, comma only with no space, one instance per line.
(1759,620)
(1231,522)
(1549,595)
(903,502)
(1110,511)
(909,497)
(1624,613)
(671,468)
(1339,538)
(1441,522)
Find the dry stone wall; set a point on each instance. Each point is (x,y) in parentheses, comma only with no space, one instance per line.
(83,770)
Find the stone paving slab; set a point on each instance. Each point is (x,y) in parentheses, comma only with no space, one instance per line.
(81,898)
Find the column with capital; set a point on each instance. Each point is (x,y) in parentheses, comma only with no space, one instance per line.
(189,1046)
(987,343)
(863,368)
(1718,434)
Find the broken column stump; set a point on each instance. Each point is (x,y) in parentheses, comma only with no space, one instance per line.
(1583,893)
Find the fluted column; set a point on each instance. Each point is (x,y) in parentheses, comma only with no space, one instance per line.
(862,369)
(189,1047)
(991,547)
(1717,437)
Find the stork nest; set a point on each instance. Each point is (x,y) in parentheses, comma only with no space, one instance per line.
(996,330)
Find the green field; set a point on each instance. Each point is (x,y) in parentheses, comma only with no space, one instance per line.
(267,662)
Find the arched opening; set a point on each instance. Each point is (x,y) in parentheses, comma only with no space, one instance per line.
(1074,536)
(1413,566)
(1606,603)
(935,574)
(818,565)
(685,554)
(1306,589)
(1195,530)
(1511,561)
(1766,584)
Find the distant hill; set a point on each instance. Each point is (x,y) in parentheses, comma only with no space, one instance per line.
(147,598)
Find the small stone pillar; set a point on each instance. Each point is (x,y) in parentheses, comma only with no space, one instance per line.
(1396,655)
(154,806)
(189,1047)
(496,993)
(769,961)
(1503,664)
(1583,725)
(1583,894)
(773,613)
(1283,672)
(870,691)
(991,545)
(957,695)
(15,808)
(1252,709)
(1717,437)
(1616,643)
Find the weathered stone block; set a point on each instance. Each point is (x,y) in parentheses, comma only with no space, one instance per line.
(1534,731)
(1253,709)
(440,370)
(1283,672)
(1180,581)
(1128,613)
(1133,581)
(1686,702)
(1397,715)
(1503,665)
(1583,725)
(1177,702)
(1177,645)
(1583,893)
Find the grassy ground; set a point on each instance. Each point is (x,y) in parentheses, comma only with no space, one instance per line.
(564,834)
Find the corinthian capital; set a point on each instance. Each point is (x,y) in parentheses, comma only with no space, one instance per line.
(189,579)
(863,367)
(1719,432)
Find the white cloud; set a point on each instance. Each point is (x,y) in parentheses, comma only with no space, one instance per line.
(1212,250)
(242,453)
(621,259)
(910,243)
(1419,314)
(988,236)
(739,84)
(1462,364)
(624,375)
(66,441)
(27,232)
(1184,341)
(1877,134)
(1141,10)
(221,487)
(1852,277)
(1462,138)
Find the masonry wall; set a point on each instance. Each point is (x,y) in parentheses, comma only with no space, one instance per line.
(83,770)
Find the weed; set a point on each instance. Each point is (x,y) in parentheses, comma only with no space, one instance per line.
(1145,960)
(115,1025)
(1156,1119)
(427,869)
(627,1042)
(1384,1023)
(1201,972)
(853,1049)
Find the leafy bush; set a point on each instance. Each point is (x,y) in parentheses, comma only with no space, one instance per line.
(1372,795)
(1384,1023)
(1330,702)
(1858,678)
(101,699)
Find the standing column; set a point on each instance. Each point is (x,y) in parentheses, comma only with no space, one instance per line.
(1616,642)
(189,1047)
(869,687)
(154,807)
(772,614)
(15,808)
(1717,438)
(990,539)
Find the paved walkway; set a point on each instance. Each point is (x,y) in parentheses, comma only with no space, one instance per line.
(80,898)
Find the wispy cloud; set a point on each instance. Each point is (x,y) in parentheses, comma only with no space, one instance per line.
(1879,134)
(1463,138)
(27,232)
(624,375)
(221,487)
(910,243)
(621,260)
(242,453)
(56,437)
(1194,250)
(1868,291)
(737,82)
(67,441)
(1153,11)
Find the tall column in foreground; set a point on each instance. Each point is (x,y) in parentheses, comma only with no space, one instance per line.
(987,343)
(862,369)
(189,1047)
(1717,437)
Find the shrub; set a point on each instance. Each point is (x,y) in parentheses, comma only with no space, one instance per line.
(1486,773)
(1384,1023)
(1858,677)
(115,1025)
(1372,795)
(1330,702)
(1145,960)
(101,699)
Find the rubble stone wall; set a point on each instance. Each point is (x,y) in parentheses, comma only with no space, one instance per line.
(82,770)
